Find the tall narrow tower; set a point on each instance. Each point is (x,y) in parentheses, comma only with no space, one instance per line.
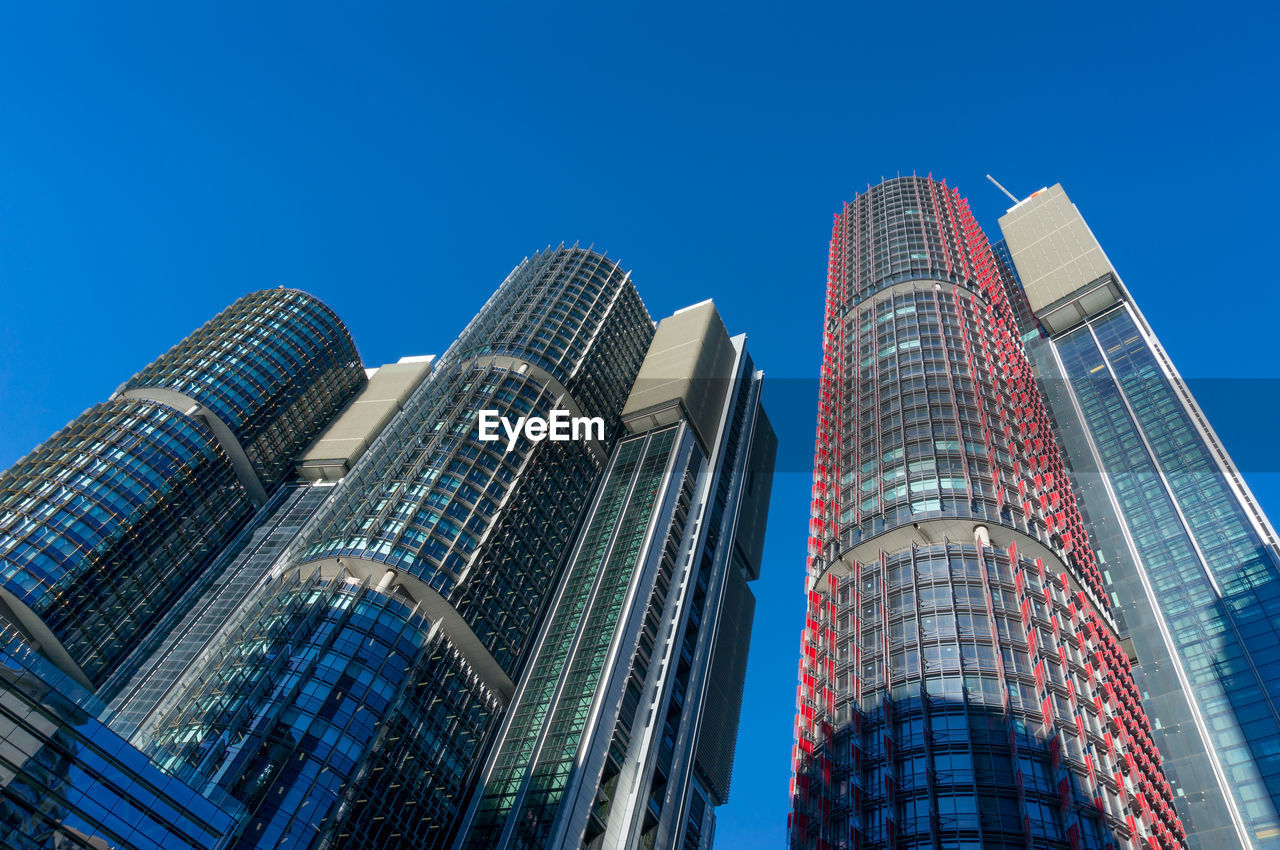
(1192,561)
(621,735)
(961,681)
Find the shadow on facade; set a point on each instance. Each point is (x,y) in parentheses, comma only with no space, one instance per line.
(64,775)
(943,773)
(1248,608)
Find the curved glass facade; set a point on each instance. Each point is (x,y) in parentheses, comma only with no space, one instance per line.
(920,447)
(961,681)
(274,367)
(566,329)
(965,707)
(572,312)
(105,524)
(476,537)
(426,512)
(337,657)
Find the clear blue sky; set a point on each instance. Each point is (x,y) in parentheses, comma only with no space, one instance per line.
(159,160)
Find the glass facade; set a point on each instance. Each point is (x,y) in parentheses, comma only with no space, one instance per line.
(601,573)
(566,329)
(622,731)
(66,781)
(330,664)
(1217,581)
(467,540)
(1191,561)
(169,662)
(273,368)
(329,658)
(103,526)
(966,707)
(112,531)
(962,684)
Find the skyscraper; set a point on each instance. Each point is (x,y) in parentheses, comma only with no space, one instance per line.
(1190,558)
(622,733)
(103,526)
(354,706)
(341,582)
(110,533)
(228,590)
(962,680)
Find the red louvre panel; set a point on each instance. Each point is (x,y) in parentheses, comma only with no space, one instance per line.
(904,257)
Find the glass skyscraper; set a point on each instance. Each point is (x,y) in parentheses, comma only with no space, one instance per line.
(962,683)
(354,706)
(1190,558)
(264,598)
(106,528)
(621,735)
(103,526)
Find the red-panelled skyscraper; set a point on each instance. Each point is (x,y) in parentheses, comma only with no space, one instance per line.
(962,684)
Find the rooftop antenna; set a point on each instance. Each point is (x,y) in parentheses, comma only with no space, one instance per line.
(1003,189)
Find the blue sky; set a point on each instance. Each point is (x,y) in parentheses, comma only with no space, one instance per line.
(159,160)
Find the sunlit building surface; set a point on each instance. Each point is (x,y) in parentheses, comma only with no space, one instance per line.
(355,704)
(111,532)
(621,734)
(962,680)
(1189,557)
(264,597)
(103,526)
